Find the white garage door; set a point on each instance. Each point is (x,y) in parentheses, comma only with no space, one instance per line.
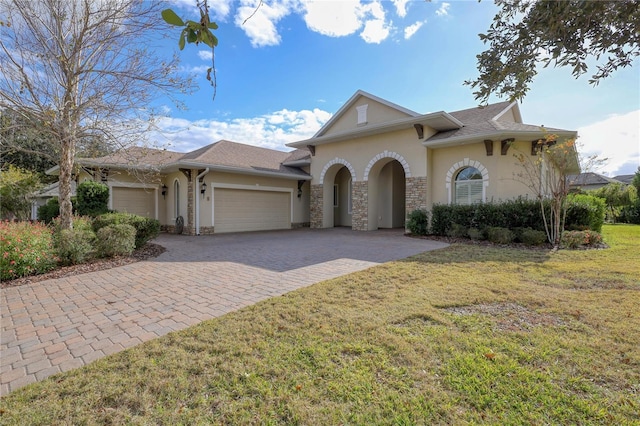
(134,200)
(237,210)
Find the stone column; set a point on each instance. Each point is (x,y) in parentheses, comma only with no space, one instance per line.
(415,194)
(316,206)
(190,226)
(360,211)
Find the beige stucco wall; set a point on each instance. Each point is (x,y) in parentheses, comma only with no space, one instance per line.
(341,215)
(508,116)
(168,203)
(376,113)
(361,151)
(502,170)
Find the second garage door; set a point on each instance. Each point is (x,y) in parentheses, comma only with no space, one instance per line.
(134,200)
(237,210)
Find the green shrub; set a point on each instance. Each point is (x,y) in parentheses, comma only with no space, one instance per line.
(458,231)
(418,222)
(630,213)
(518,213)
(585,212)
(577,239)
(49,211)
(532,237)
(26,248)
(146,229)
(92,198)
(116,240)
(477,234)
(74,246)
(500,235)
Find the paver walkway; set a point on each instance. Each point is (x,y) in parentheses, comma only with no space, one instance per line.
(60,324)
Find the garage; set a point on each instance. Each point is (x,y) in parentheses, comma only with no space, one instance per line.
(138,201)
(237,210)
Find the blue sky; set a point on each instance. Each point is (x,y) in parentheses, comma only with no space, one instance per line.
(284,72)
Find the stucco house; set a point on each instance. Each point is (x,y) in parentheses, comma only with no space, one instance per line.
(369,166)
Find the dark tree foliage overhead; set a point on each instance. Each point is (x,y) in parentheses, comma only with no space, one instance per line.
(528,33)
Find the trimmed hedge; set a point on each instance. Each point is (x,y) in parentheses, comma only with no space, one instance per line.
(583,212)
(146,228)
(74,246)
(418,222)
(116,240)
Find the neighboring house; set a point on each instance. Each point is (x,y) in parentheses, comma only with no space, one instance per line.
(588,181)
(45,194)
(626,179)
(369,166)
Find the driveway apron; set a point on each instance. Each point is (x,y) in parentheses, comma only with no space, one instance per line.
(60,324)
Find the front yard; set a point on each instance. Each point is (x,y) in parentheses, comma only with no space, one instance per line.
(467,334)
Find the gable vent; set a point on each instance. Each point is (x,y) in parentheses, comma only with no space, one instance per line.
(362,114)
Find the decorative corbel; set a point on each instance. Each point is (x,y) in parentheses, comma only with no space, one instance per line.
(488,145)
(504,145)
(187,173)
(420,130)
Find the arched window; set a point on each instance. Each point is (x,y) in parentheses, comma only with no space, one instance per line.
(468,186)
(176,197)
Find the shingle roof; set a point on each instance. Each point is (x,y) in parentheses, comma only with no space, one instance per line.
(480,121)
(222,153)
(241,156)
(590,178)
(135,157)
(624,178)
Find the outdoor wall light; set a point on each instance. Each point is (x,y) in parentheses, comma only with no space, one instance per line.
(164,190)
(203,188)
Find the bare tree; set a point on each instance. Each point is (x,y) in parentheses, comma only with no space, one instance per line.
(546,174)
(82,69)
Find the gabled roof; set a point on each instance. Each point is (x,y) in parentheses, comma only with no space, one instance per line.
(352,100)
(437,120)
(485,122)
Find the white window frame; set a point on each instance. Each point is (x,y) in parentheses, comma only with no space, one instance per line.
(336,196)
(470,185)
(350,196)
(176,198)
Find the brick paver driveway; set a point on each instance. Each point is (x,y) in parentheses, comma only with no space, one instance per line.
(61,324)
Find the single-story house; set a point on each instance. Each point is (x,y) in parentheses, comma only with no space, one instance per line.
(41,197)
(589,181)
(369,166)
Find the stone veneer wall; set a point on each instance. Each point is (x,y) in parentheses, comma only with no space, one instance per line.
(317,196)
(299,225)
(206,230)
(360,211)
(190,226)
(415,194)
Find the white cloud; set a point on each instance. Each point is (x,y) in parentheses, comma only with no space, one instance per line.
(401,7)
(616,138)
(376,29)
(218,9)
(259,23)
(205,55)
(269,131)
(443,10)
(412,29)
(333,19)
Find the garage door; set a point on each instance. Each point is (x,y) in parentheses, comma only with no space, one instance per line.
(134,200)
(237,210)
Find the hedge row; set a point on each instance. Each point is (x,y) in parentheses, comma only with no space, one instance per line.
(583,212)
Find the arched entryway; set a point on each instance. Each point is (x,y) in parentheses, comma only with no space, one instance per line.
(337,190)
(387,194)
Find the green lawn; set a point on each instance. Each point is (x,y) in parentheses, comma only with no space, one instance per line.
(464,335)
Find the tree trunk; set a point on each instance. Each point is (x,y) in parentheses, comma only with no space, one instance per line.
(66,172)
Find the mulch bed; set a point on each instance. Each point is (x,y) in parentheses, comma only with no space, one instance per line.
(149,251)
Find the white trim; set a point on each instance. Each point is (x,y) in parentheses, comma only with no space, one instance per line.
(256,187)
(387,154)
(116,184)
(338,161)
(362,114)
(467,163)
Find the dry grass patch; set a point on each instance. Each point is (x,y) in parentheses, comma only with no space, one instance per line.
(385,346)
